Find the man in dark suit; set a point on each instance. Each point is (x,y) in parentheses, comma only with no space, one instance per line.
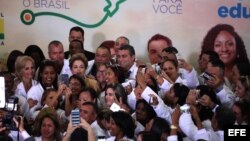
(77,33)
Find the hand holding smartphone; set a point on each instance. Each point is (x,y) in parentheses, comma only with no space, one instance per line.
(75,117)
(64,79)
(207,76)
(115,107)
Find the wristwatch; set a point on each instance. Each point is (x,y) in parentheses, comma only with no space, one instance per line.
(173,127)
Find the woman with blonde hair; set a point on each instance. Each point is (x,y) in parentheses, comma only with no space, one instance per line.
(25,71)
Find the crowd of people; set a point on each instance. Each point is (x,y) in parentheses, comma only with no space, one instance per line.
(122,98)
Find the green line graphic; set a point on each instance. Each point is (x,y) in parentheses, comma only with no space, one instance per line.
(1,36)
(28,17)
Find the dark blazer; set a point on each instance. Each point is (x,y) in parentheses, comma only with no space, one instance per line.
(89,55)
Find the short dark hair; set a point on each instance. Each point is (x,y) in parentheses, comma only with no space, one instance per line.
(91,91)
(129,48)
(93,105)
(78,29)
(160,126)
(75,40)
(170,50)
(218,63)
(181,91)
(79,134)
(211,54)
(148,108)
(78,78)
(125,122)
(12,59)
(225,117)
(148,136)
(44,64)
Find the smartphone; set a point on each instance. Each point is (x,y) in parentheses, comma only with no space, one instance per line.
(207,76)
(101,138)
(2,92)
(115,107)
(143,70)
(64,79)
(75,117)
(158,69)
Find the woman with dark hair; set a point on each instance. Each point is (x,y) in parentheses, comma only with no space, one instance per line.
(36,53)
(122,126)
(160,127)
(146,136)
(242,112)
(11,67)
(47,78)
(12,59)
(238,70)
(101,75)
(115,74)
(76,85)
(242,88)
(47,126)
(115,93)
(230,47)
(144,112)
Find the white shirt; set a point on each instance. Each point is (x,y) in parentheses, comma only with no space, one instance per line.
(36,93)
(124,138)
(190,77)
(226,97)
(66,69)
(132,77)
(166,85)
(161,109)
(20,90)
(98,131)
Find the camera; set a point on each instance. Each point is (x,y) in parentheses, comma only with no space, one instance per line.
(9,104)
(207,76)
(11,108)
